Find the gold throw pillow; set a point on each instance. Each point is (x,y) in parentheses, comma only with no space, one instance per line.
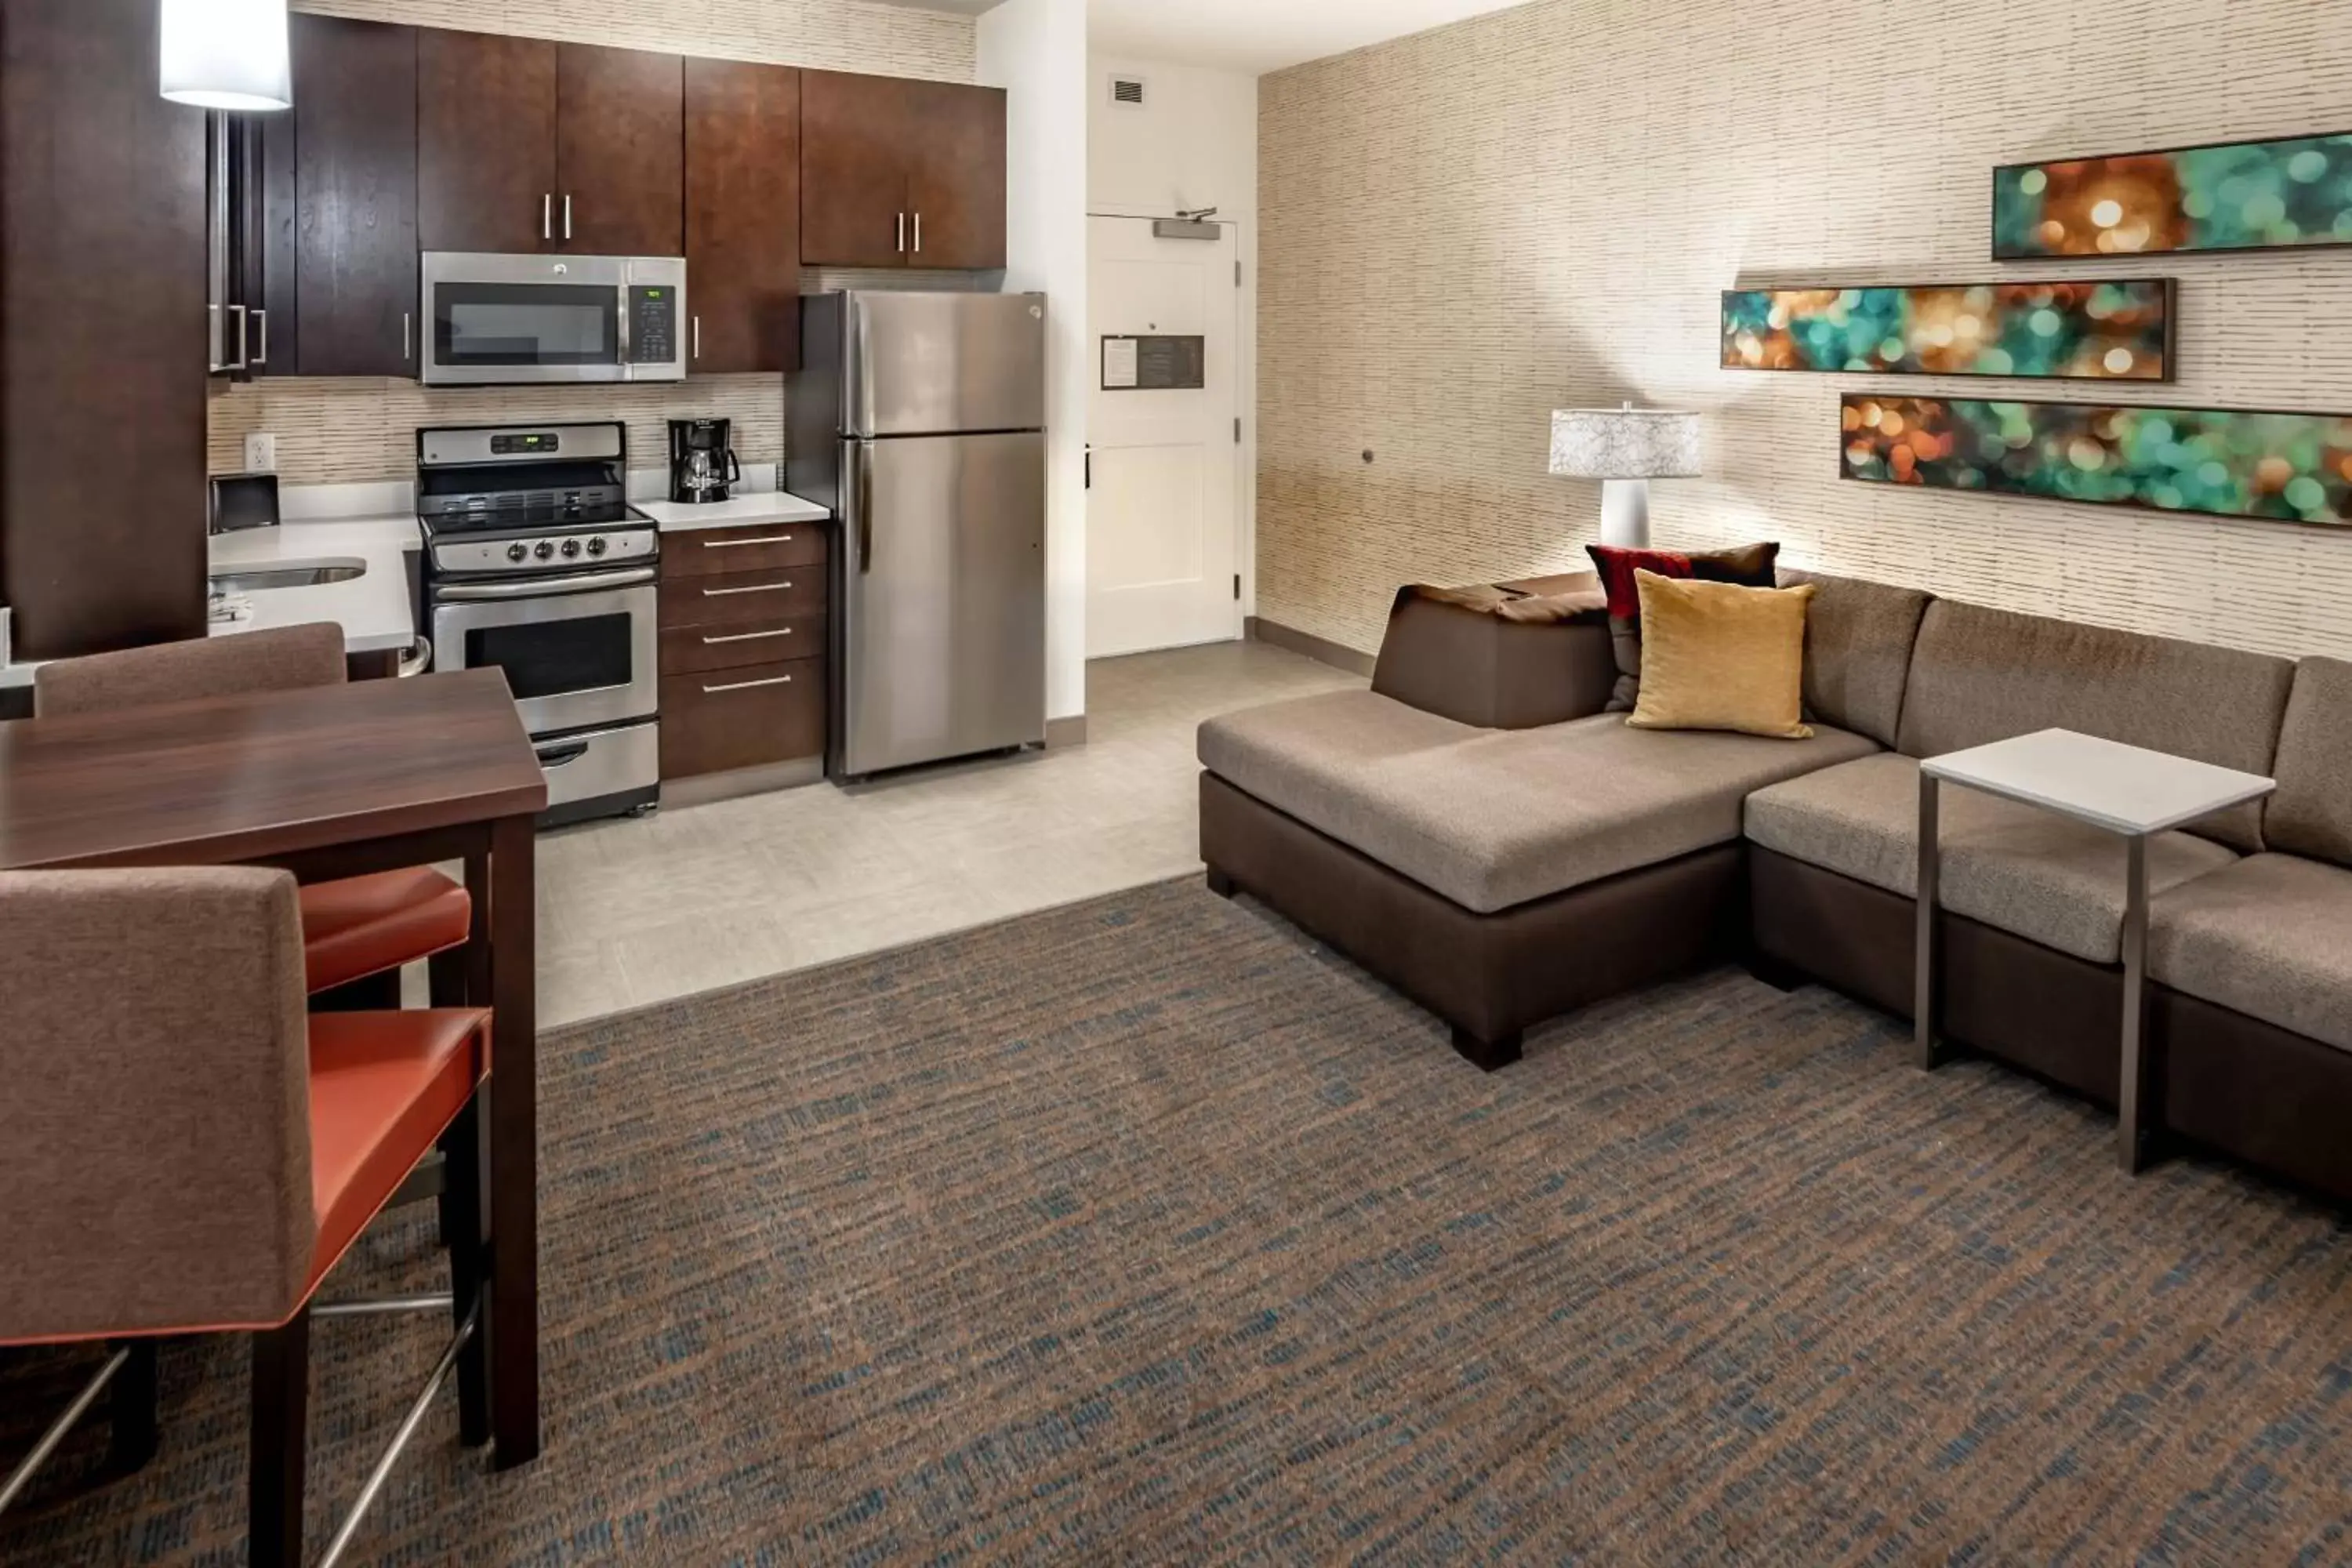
(1718,657)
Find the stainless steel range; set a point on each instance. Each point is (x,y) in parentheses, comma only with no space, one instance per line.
(536,562)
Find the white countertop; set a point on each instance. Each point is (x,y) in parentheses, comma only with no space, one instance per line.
(743,511)
(2125,789)
(373,608)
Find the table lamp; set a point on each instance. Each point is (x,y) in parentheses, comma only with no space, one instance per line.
(1625,449)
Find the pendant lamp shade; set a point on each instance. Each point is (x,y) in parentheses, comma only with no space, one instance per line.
(227,54)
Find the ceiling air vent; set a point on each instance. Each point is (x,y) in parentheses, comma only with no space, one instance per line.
(1127,92)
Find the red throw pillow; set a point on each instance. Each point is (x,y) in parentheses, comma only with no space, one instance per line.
(1749,566)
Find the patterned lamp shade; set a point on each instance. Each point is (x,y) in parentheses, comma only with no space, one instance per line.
(1626,443)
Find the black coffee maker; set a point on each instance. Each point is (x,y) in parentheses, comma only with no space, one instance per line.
(702,462)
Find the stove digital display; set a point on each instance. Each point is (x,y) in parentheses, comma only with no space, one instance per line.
(536,441)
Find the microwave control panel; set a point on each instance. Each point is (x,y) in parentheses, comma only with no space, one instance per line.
(653,324)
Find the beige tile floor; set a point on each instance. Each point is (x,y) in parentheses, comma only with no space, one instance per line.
(633,912)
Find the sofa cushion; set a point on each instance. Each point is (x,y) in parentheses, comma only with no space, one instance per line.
(1495,819)
(1718,657)
(2270,937)
(2015,867)
(1858,637)
(2312,811)
(1980,675)
(1748,565)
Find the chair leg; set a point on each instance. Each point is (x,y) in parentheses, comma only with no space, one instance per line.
(281,1421)
(461,1224)
(131,1401)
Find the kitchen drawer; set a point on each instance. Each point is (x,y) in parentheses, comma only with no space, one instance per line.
(686,650)
(737,598)
(707,552)
(719,721)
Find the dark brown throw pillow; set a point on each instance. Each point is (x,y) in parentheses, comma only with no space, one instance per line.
(1749,566)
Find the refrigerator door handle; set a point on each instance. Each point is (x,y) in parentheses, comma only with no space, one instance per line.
(865,508)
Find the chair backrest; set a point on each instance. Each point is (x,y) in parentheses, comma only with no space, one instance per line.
(2311,815)
(1980,675)
(284,659)
(155,1123)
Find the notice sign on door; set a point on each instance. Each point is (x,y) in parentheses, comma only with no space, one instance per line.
(1154,365)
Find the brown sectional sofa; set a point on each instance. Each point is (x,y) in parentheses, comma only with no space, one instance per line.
(1503,873)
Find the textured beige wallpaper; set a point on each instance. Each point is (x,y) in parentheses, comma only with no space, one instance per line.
(336,431)
(1535,209)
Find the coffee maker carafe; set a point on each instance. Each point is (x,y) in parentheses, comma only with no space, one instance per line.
(702,461)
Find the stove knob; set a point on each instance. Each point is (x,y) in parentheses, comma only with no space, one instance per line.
(544,551)
(596,546)
(518,551)
(571,548)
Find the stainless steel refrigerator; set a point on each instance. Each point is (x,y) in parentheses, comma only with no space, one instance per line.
(920,418)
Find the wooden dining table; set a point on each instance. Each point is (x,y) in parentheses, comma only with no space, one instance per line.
(333,781)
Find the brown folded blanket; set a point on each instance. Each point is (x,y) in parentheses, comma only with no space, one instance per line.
(1577,604)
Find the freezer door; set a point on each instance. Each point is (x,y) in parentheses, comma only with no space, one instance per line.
(942,641)
(928,365)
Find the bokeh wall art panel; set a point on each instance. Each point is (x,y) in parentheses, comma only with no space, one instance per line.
(2235,195)
(2107,331)
(2223,462)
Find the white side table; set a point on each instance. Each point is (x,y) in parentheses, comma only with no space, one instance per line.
(2125,790)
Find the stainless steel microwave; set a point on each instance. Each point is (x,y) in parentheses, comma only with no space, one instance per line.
(498,321)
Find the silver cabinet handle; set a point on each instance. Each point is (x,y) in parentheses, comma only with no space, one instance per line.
(262,319)
(740,543)
(756,588)
(547,215)
(902,234)
(240,362)
(567,214)
(748,685)
(746,636)
(407,338)
(919,234)
(697,337)
(213,340)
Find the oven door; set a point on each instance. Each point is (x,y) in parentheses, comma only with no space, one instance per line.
(577,651)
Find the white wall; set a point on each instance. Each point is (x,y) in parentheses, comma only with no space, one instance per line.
(1036,50)
(1192,144)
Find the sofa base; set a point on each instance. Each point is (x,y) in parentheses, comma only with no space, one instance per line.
(2258,1093)
(1488,976)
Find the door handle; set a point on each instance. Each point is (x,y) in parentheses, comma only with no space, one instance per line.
(407,338)
(902,234)
(919,234)
(865,508)
(697,338)
(567,214)
(547,214)
(240,362)
(261,317)
(213,364)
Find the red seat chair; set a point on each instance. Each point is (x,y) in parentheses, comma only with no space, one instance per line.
(185,1151)
(353,930)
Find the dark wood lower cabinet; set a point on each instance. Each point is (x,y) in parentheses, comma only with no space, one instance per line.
(743,615)
(722,720)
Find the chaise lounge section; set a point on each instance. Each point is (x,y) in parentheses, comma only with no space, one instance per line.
(1501,876)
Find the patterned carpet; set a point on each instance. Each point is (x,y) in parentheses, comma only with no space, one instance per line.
(1143,1231)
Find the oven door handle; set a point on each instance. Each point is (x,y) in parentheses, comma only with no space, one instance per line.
(462,592)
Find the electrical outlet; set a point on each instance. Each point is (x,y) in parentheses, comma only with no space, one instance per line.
(261,453)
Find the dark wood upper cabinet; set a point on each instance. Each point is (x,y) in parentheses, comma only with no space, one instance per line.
(955,174)
(853,170)
(900,173)
(620,159)
(102,334)
(742,216)
(486,160)
(354,241)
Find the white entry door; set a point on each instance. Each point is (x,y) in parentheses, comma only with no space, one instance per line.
(1164,504)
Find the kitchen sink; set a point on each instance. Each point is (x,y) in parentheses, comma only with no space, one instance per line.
(285,577)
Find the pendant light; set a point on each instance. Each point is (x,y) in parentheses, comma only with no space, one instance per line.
(227,54)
